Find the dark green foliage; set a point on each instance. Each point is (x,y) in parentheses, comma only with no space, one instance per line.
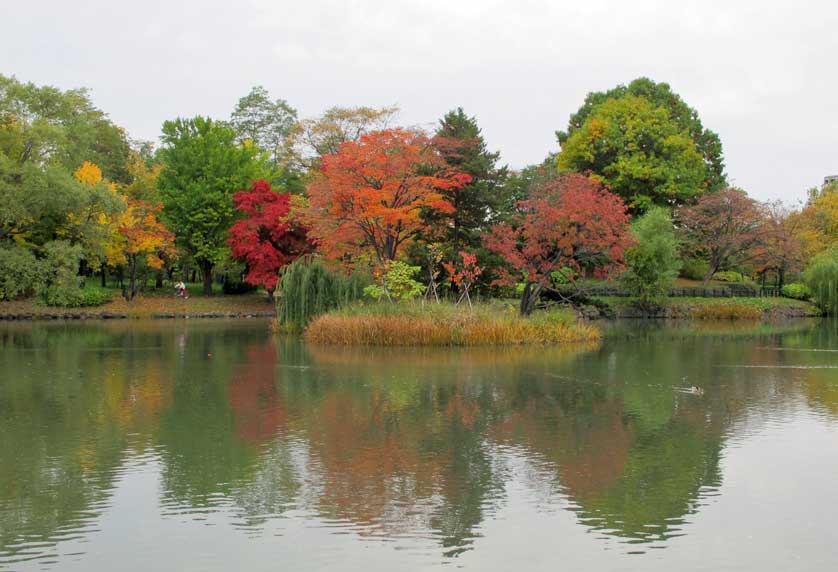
(797,291)
(821,276)
(237,287)
(477,203)
(61,286)
(307,289)
(661,95)
(653,263)
(20,273)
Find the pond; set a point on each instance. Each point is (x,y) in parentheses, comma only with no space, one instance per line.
(212,445)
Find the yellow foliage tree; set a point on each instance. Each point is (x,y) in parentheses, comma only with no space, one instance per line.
(817,227)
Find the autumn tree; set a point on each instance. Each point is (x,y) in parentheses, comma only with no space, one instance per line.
(635,149)
(722,227)
(313,138)
(144,241)
(463,274)
(682,115)
(778,250)
(476,203)
(203,164)
(264,121)
(269,236)
(816,226)
(568,222)
(371,194)
(45,135)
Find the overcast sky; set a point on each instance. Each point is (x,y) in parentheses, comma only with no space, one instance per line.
(762,74)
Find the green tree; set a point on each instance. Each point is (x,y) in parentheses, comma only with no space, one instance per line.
(203,165)
(45,135)
(264,121)
(685,117)
(652,263)
(636,150)
(477,203)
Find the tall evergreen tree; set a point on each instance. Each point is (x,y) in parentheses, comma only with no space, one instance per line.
(476,204)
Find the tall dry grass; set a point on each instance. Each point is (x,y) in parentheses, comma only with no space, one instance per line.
(727,311)
(445,325)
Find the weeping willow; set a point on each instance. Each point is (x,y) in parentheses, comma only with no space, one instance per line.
(307,289)
(822,279)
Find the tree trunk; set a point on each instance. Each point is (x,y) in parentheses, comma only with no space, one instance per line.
(711,269)
(158,280)
(104,277)
(206,273)
(530,298)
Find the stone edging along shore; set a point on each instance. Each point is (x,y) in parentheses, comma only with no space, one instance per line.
(124,316)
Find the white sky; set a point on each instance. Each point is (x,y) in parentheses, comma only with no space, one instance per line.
(762,74)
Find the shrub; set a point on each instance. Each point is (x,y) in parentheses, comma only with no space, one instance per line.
(694,268)
(797,290)
(652,263)
(399,283)
(62,286)
(307,289)
(20,273)
(729,276)
(821,276)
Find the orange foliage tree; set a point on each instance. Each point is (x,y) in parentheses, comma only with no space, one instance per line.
(144,239)
(370,195)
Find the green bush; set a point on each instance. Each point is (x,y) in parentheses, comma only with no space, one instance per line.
(307,289)
(20,273)
(797,290)
(62,286)
(653,263)
(399,283)
(821,276)
(694,269)
(729,276)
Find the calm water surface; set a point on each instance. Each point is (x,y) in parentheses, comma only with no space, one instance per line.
(211,445)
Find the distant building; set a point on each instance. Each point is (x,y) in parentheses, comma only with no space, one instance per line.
(830,179)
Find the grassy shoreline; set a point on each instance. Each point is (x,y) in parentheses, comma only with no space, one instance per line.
(417,324)
(709,308)
(155,307)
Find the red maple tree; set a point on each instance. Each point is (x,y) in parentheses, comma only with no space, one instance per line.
(723,226)
(269,236)
(463,275)
(371,194)
(568,222)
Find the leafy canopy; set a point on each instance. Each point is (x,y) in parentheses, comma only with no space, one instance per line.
(369,197)
(478,202)
(652,264)
(568,222)
(268,237)
(722,227)
(203,164)
(636,150)
(682,115)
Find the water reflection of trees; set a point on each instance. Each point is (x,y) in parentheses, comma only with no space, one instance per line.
(388,442)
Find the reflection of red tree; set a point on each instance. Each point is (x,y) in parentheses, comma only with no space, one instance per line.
(257,412)
(590,453)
